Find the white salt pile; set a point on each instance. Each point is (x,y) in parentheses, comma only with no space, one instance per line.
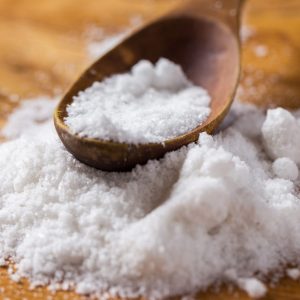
(220,210)
(149,104)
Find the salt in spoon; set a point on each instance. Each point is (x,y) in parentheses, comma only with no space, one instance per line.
(203,37)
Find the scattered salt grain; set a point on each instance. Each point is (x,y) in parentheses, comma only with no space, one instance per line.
(293,273)
(285,168)
(246,32)
(15,277)
(253,287)
(189,297)
(149,104)
(218,4)
(261,51)
(173,226)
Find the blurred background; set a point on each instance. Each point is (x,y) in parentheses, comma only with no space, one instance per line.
(45,45)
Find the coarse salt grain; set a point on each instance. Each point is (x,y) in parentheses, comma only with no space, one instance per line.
(173,226)
(255,288)
(149,104)
(246,32)
(261,51)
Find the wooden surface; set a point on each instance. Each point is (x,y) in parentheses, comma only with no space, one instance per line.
(43,49)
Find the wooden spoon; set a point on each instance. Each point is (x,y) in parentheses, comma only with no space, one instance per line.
(203,37)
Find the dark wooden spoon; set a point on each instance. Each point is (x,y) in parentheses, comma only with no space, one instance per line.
(203,37)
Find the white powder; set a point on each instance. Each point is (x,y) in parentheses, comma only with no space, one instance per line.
(150,104)
(254,287)
(261,51)
(173,226)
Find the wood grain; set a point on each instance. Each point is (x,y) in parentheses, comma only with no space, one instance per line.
(43,50)
(273,79)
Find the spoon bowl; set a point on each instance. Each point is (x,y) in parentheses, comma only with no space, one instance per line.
(202,39)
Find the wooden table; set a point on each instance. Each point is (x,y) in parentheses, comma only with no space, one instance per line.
(43,49)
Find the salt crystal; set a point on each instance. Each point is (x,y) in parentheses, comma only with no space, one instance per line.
(281,134)
(246,32)
(293,273)
(30,118)
(15,277)
(253,287)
